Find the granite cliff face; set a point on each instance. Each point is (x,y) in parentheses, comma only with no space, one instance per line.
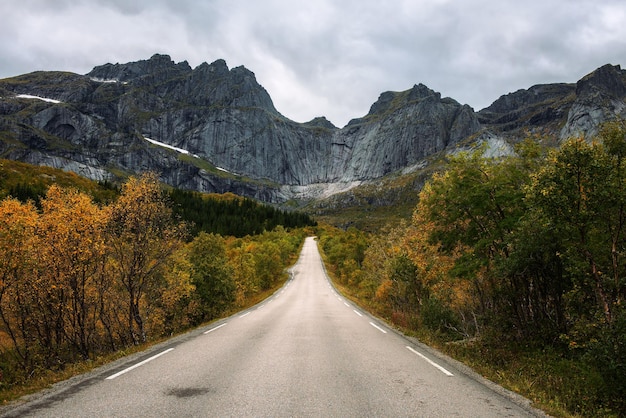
(212,128)
(560,110)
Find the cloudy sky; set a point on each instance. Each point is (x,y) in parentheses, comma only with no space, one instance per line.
(328,57)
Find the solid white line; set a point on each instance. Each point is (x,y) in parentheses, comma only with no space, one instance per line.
(139,364)
(213,329)
(432,363)
(357,312)
(378,328)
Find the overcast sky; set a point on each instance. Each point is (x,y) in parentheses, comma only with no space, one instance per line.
(328,58)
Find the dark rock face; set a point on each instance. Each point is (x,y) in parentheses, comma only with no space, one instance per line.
(224,133)
(561,110)
(538,106)
(600,96)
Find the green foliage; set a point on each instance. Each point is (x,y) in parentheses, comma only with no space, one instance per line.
(607,355)
(211,275)
(438,318)
(28,182)
(523,258)
(231,215)
(345,252)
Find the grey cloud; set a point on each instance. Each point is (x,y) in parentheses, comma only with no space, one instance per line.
(328,57)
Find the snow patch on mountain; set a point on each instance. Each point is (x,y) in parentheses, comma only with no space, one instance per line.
(30,96)
(161,144)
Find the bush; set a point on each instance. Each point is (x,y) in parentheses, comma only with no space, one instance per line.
(439,319)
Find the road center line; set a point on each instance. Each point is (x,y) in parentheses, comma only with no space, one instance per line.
(113,376)
(378,328)
(213,329)
(432,363)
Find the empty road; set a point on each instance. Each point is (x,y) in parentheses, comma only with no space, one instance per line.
(304,352)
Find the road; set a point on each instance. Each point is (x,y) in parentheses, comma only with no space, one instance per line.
(304,352)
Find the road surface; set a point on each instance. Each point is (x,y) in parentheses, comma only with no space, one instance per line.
(304,352)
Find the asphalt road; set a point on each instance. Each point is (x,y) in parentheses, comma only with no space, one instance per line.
(304,352)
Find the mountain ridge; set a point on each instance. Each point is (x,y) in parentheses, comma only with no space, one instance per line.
(236,140)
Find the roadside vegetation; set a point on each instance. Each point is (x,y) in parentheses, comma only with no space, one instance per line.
(90,271)
(515,266)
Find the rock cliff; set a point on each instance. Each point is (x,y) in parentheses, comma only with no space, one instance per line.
(212,128)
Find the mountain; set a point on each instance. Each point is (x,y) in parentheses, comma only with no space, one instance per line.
(561,110)
(215,129)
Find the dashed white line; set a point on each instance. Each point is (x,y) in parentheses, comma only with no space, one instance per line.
(213,329)
(357,312)
(432,363)
(246,314)
(113,376)
(378,328)
(345,303)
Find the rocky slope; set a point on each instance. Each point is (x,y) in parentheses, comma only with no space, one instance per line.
(212,128)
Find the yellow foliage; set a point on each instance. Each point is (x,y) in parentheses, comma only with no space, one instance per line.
(383,291)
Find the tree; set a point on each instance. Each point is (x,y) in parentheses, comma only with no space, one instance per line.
(576,192)
(473,212)
(71,231)
(211,274)
(18,262)
(141,235)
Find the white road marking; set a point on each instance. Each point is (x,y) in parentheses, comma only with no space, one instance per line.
(246,314)
(432,363)
(378,328)
(213,329)
(113,376)
(345,303)
(357,312)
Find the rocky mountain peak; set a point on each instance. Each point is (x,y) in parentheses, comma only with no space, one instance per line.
(216,84)
(134,70)
(212,128)
(320,122)
(217,68)
(608,80)
(391,100)
(600,96)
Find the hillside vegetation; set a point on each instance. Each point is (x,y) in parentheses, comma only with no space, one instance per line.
(515,265)
(88,269)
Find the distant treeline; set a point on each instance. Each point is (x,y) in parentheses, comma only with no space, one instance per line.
(231,215)
(224,214)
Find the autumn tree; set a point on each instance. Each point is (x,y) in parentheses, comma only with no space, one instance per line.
(72,250)
(141,234)
(18,262)
(171,304)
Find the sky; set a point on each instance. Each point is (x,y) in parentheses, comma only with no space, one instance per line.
(329,58)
